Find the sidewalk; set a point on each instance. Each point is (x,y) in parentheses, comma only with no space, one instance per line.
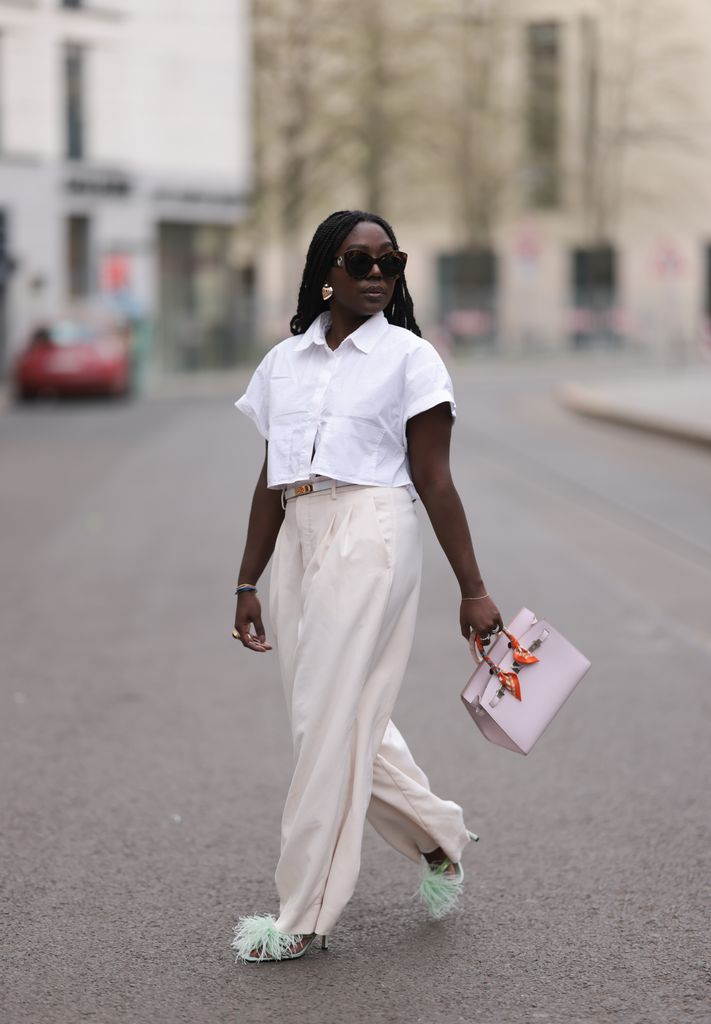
(676,403)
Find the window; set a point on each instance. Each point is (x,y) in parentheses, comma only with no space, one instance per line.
(595,316)
(589,112)
(74,105)
(543,114)
(468,295)
(78,256)
(200,297)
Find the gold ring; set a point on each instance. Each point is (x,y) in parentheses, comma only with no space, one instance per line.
(235,634)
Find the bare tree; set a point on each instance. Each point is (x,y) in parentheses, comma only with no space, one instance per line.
(283,48)
(340,112)
(637,99)
(637,135)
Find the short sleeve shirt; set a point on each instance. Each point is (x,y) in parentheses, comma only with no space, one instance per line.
(343,413)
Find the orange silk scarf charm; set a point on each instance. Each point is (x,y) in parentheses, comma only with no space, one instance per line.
(509,680)
(520,655)
(523,657)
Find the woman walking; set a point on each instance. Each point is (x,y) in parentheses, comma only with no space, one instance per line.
(357,410)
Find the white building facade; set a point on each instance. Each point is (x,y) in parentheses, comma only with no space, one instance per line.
(602,233)
(125,162)
(549,174)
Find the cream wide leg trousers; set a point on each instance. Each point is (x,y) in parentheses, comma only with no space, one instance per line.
(344,591)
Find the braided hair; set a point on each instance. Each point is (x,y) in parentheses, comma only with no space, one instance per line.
(327,238)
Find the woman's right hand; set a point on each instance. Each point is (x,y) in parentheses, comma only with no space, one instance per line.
(248,614)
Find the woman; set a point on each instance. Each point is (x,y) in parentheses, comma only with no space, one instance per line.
(357,411)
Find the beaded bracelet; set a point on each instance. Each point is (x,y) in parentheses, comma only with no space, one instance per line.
(246,588)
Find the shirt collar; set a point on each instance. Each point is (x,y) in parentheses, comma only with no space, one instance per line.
(364,338)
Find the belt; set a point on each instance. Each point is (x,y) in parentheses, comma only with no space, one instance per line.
(313,487)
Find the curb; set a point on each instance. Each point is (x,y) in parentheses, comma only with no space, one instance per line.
(597,405)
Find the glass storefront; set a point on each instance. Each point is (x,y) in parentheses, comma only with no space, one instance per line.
(204,315)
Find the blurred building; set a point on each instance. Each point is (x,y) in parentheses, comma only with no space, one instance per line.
(546,163)
(125,163)
(591,149)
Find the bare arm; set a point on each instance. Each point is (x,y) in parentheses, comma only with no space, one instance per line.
(265,519)
(428,439)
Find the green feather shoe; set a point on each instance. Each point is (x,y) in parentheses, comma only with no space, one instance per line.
(257,941)
(439,888)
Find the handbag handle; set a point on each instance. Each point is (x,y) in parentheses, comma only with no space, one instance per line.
(521,656)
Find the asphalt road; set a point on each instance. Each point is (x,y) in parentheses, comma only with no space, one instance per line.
(144,755)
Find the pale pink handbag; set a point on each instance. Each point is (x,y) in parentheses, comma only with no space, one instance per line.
(522,681)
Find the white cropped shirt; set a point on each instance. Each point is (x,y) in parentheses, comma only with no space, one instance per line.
(343,413)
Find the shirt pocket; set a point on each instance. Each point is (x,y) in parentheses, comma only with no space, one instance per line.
(286,436)
(350,446)
(286,399)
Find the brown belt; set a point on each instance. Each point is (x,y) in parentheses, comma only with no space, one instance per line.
(313,487)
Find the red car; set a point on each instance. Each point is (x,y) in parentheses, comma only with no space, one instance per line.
(74,357)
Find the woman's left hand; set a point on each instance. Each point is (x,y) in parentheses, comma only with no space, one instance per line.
(480,617)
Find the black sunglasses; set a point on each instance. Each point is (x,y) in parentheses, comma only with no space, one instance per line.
(359,264)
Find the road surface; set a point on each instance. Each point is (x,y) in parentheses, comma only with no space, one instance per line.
(144,756)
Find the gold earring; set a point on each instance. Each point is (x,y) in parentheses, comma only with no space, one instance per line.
(326,292)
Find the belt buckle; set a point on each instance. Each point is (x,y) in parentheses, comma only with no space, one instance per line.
(303,489)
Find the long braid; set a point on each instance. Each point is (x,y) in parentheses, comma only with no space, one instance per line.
(326,240)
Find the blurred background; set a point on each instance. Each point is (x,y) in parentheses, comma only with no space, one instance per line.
(546,165)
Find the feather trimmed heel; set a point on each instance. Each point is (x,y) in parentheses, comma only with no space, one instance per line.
(440,888)
(257,940)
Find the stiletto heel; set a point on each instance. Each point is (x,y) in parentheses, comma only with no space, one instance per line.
(324,942)
(473,836)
